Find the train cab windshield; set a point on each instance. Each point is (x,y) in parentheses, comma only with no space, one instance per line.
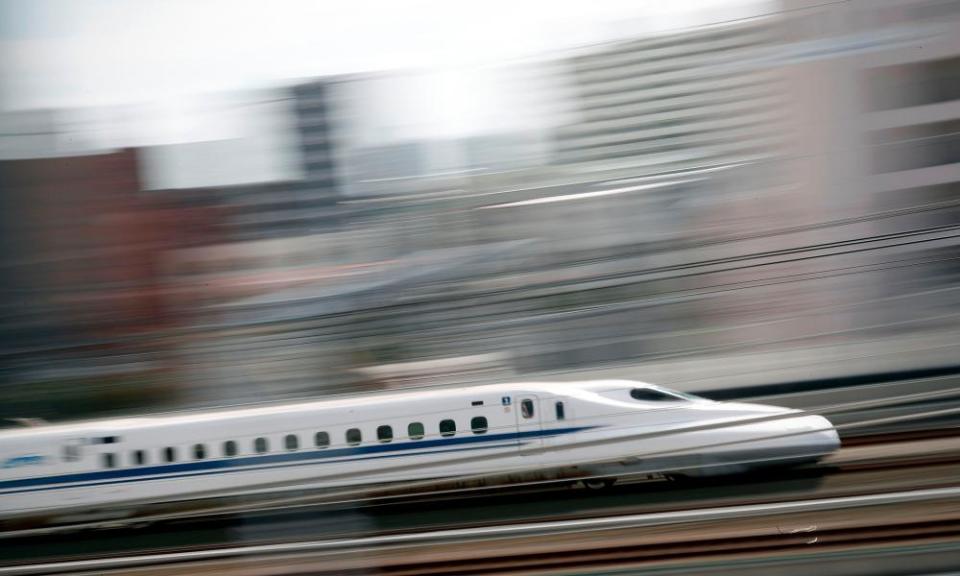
(650,394)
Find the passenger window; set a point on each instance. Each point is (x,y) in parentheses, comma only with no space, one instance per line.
(260,445)
(384,433)
(321,439)
(415,430)
(478,424)
(170,454)
(229,448)
(109,460)
(354,437)
(448,427)
(291,442)
(526,408)
(561,413)
(139,457)
(199,451)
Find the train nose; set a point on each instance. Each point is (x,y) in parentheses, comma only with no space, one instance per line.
(795,431)
(820,434)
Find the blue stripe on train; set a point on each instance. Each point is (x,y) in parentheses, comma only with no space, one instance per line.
(202,467)
(208,472)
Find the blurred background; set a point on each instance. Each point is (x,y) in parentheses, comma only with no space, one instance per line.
(220,202)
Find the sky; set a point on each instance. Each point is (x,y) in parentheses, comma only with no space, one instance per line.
(109,52)
(142,73)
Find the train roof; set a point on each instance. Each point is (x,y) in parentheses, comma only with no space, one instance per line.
(344,402)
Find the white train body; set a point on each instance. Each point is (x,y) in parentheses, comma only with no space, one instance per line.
(406,436)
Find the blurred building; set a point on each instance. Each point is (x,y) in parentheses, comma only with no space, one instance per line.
(30,133)
(764,183)
(876,100)
(316,108)
(285,202)
(391,162)
(83,238)
(675,101)
(83,262)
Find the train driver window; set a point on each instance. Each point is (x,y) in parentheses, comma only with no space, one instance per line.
(478,424)
(384,433)
(291,442)
(321,440)
(651,395)
(561,412)
(526,408)
(448,427)
(415,430)
(260,445)
(354,437)
(229,448)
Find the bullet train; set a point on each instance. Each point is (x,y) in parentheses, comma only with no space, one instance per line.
(598,427)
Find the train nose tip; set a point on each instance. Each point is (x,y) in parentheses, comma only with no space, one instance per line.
(823,436)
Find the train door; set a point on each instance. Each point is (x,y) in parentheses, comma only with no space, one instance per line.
(73,450)
(529,423)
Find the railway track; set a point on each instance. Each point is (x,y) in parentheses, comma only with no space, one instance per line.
(901,436)
(640,553)
(766,531)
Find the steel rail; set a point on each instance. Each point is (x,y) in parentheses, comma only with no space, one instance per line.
(491,532)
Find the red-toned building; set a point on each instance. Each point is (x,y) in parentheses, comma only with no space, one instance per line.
(85,244)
